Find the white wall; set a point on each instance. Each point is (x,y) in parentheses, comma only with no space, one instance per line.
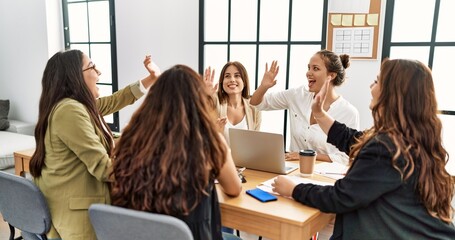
(54,18)
(31,34)
(356,89)
(166,29)
(24,53)
(360,75)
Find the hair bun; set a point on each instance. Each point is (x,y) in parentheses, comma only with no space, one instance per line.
(345,60)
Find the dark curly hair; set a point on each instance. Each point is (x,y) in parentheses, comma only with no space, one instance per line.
(170,152)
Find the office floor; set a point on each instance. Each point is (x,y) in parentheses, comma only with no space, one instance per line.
(4,229)
(323,235)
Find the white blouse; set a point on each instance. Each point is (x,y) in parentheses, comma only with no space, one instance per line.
(241,125)
(303,134)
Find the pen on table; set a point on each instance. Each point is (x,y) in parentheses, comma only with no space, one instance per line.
(333,173)
(240,173)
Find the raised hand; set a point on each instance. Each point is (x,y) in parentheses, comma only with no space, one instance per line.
(151,67)
(268,80)
(209,76)
(317,107)
(324,120)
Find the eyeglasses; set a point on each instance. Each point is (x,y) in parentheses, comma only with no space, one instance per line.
(92,67)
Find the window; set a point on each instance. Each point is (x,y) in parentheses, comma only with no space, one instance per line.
(425,34)
(431,40)
(256,32)
(89,26)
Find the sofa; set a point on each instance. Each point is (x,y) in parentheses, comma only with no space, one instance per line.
(14,136)
(19,136)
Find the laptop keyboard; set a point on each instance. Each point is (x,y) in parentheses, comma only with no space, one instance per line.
(290,165)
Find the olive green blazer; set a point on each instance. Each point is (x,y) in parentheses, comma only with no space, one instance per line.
(77,165)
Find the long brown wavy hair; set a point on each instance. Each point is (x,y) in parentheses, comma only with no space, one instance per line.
(406,110)
(63,78)
(222,95)
(170,151)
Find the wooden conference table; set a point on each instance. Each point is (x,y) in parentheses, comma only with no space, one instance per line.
(281,219)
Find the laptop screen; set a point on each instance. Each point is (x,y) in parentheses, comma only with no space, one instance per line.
(258,150)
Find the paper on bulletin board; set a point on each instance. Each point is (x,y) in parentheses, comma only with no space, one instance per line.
(359,20)
(346,20)
(349,6)
(335,19)
(356,42)
(373,19)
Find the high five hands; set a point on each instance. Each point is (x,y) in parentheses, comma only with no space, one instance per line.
(317,107)
(152,68)
(324,120)
(210,88)
(209,76)
(269,80)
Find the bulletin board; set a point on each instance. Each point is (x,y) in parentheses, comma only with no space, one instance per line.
(355,33)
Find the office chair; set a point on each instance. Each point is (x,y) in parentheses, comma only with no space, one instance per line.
(117,223)
(24,207)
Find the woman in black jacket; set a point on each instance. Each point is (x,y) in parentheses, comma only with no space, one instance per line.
(397,186)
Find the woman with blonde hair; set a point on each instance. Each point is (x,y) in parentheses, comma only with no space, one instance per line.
(397,186)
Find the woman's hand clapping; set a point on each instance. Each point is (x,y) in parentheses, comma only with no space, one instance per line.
(209,76)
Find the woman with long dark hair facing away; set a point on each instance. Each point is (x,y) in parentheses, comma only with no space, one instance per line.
(72,161)
(397,186)
(171,153)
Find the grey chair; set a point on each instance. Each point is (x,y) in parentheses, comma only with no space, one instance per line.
(116,223)
(24,207)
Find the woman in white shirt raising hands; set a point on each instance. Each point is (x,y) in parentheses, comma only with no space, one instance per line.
(305,132)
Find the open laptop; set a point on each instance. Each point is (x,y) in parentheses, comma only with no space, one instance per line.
(259,150)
